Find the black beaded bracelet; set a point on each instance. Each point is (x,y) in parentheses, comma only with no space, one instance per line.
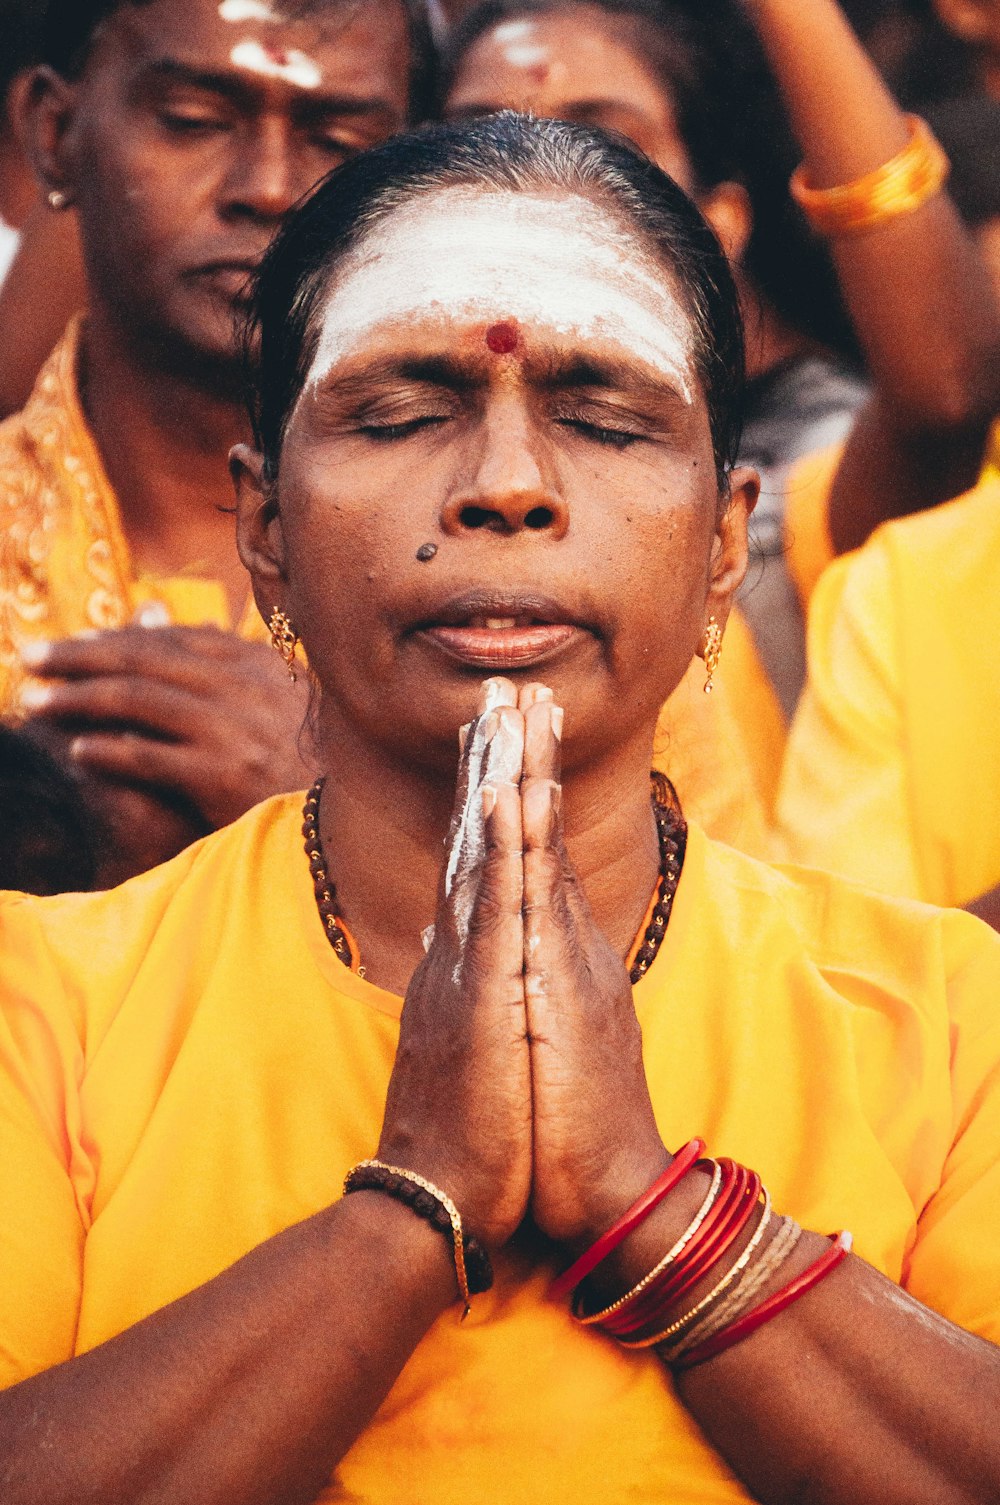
(472,1263)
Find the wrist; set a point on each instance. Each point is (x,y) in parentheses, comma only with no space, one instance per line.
(400,1253)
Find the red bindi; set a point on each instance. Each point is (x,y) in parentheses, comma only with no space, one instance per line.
(502,338)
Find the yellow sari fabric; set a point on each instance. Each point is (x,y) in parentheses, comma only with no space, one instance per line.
(186,1070)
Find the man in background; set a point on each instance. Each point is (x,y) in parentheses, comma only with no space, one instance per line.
(180,131)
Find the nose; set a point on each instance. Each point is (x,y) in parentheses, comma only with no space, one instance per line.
(263,182)
(511,485)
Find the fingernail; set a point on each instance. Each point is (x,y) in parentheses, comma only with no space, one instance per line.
(557,798)
(427,937)
(542,693)
(463,735)
(152,614)
(35,697)
(78,747)
(34,654)
(558,715)
(489,800)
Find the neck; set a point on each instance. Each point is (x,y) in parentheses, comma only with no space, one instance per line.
(383,824)
(164,442)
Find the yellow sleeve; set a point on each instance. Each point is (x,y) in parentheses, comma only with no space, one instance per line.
(808,547)
(844,801)
(953,1264)
(41,1229)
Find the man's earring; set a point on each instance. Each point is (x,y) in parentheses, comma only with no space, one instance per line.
(57,200)
(713,652)
(285,640)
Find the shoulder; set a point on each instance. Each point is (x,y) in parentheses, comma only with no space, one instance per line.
(870,948)
(90,948)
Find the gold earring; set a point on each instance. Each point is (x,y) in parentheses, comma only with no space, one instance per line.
(58,200)
(285,640)
(713,652)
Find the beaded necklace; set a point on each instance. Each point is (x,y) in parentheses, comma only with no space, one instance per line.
(671,831)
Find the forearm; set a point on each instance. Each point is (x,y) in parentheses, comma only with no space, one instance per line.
(916,287)
(251,1388)
(853,1395)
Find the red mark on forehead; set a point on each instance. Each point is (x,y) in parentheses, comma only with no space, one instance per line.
(503,338)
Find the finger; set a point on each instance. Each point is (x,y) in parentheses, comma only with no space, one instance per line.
(543,741)
(180,654)
(114,699)
(135,759)
(496,692)
(531,694)
(549,928)
(494,925)
(495,755)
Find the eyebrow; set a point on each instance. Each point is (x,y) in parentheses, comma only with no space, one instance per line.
(237,89)
(551,371)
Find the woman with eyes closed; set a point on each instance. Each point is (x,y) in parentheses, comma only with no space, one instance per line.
(271,1119)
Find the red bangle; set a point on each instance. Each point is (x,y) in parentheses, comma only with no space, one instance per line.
(648,1310)
(744,1326)
(630,1220)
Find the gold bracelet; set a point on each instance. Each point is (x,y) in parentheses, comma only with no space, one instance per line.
(667,1259)
(455,1217)
(681,1324)
(732,1274)
(745,1295)
(900,186)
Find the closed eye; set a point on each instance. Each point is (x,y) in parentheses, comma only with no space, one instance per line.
(384,432)
(613,437)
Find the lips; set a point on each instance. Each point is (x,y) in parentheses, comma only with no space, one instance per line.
(230,278)
(501,634)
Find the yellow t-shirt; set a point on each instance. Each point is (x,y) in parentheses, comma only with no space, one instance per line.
(892,774)
(65,563)
(186,1070)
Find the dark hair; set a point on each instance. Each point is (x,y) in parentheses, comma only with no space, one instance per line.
(708,59)
(48,840)
(69,28)
(20,29)
(701,66)
(513,153)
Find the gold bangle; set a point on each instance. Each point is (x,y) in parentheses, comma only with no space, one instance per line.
(455,1217)
(744,1297)
(900,186)
(727,1280)
(682,1322)
(667,1259)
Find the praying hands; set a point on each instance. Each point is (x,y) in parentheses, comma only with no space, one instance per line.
(519,1081)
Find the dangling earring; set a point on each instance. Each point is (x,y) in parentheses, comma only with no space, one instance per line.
(285,640)
(57,200)
(713,652)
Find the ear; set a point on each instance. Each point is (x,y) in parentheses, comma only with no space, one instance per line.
(45,120)
(727,209)
(259,534)
(969,20)
(730,550)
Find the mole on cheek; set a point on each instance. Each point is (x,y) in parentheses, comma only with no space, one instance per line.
(502,338)
(426,552)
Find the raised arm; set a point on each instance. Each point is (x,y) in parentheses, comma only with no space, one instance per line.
(916,287)
(251,1388)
